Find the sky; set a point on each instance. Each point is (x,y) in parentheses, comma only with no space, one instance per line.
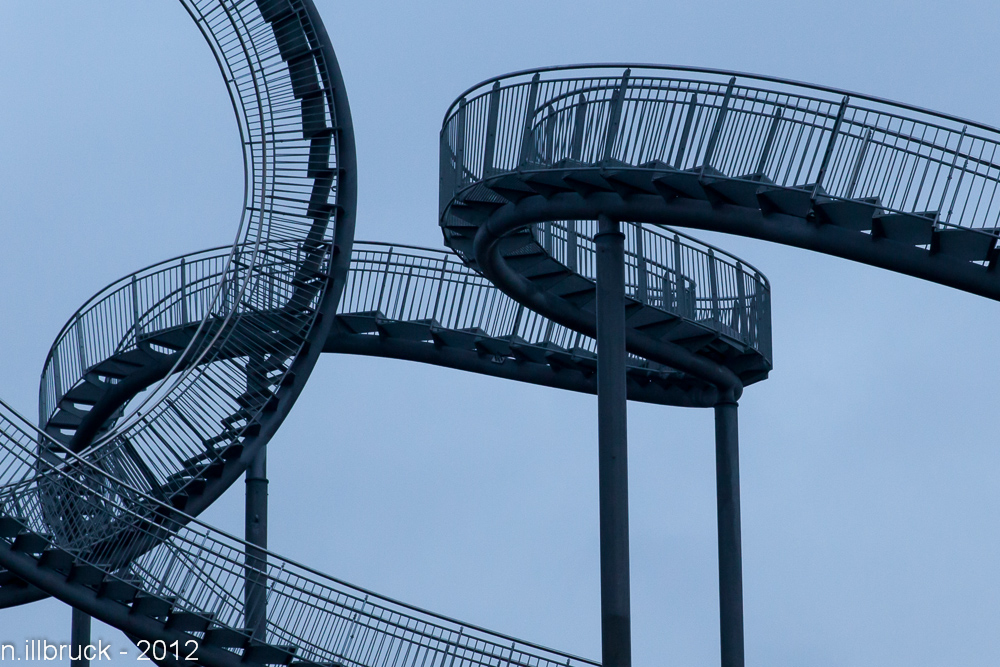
(870,463)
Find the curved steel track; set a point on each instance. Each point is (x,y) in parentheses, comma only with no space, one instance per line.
(161,390)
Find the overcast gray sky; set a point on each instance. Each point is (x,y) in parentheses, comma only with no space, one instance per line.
(870,463)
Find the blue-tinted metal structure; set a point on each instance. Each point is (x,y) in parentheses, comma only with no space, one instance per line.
(556,188)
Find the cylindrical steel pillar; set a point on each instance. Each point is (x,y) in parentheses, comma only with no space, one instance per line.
(612,442)
(80,639)
(727,479)
(255,589)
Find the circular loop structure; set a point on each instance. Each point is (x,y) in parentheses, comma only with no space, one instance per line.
(165,387)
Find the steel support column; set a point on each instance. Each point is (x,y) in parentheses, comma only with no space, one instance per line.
(80,639)
(255,589)
(727,479)
(616,623)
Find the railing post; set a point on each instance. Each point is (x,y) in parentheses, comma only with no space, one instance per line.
(385,279)
(856,172)
(437,299)
(529,115)
(686,132)
(616,633)
(572,243)
(958,186)
(579,126)
(713,284)
(615,115)
(56,375)
(642,281)
(135,309)
(947,183)
(717,128)
(184,305)
(828,153)
(769,142)
(489,151)
(741,294)
(81,346)
(460,147)
(678,276)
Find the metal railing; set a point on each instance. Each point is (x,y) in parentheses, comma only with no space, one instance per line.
(194,568)
(831,143)
(674,273)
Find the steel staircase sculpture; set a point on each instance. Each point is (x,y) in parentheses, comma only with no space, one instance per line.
(160,391)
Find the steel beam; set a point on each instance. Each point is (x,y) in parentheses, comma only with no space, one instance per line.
(616,630)
(80,638)
(255,588)
(727,477)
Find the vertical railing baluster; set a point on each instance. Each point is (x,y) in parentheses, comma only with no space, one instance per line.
(717,128)
(460,147)
(184,306)
(828,153)
(642,285)
(579,125)
(686,132)
(958,187)
(741,295)
(529,115)
(489,151)
(856,172)
(80,344)
(951,171)
(571,245)
(615,115)
(135,309)
(769,142)
(713,283)
(437,299)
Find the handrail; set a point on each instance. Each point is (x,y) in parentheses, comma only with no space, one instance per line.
(725,73)
(892,157)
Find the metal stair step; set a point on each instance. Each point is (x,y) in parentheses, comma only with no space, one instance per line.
(686,183)
(912,229)
(741,191)
(405,330)
(853,214)
(187,621)
(11,527)
(268,654)
(587,182)
(797,201)
(223,637)
(9,579)
(86,575)
(85,393)
(630,180)
(152,606)
(302,72)
(291,39)
(57,560)
(273,10)
(964,244)
(360,323)
(117,590)
(174,339)
(30,543)
(510,188)
(114,369)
